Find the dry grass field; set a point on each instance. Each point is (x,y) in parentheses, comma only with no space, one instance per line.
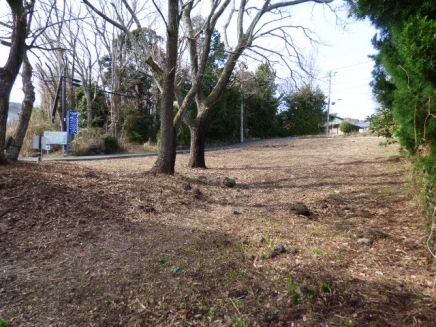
(315,232)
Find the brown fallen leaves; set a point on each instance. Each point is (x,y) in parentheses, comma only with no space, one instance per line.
(104,244)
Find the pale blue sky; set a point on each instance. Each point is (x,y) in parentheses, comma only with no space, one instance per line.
(347,58)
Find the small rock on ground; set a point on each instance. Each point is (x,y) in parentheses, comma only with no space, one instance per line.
(278,249)
(229,182)
(186,186)
(300,209)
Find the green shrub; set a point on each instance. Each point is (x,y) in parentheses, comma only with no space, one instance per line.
(110,143)
(135,137)
(345,127)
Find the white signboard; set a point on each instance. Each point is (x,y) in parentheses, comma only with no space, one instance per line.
(36,140)
(55,137)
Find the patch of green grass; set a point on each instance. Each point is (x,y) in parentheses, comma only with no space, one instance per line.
(218,246)
(291,284)
(240,322)
(311,293)
(98,289)
(203,308)
(232,275)
(296,299)
(316,251)
(325,288)
(273,310)
(238,304)
(268,240)
(161,260)
(212,312)
(3,323)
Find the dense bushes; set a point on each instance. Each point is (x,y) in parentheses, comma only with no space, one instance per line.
(345,127)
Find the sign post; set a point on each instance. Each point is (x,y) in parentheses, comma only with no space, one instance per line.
(39,142)
(72,126)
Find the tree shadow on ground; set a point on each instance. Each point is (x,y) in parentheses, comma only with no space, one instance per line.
(84,251)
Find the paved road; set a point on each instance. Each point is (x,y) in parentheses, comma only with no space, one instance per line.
(148,154)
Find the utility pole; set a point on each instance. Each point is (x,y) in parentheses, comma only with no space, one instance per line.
(64,100)
(242,111)
(330,74)
(242,66)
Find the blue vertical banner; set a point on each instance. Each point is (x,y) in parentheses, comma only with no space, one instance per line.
(72,126)
(73,122)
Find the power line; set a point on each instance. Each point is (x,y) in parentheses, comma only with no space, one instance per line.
(353,65)
(347,82)
(344,68)
(352,87)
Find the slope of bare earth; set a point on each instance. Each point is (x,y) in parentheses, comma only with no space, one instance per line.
(103,243)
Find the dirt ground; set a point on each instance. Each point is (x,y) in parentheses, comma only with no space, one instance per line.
(316,232)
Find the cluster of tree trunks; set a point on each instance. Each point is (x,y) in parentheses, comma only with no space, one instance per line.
(9,72)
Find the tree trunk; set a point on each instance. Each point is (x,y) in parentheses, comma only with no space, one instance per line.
(26,111)
(166,159)
(115,107)
(9,72)
(89,117)
(198,142)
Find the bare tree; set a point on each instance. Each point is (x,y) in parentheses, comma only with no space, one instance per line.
(52,52)
(34,36)
(21,13)
(86,50)
(167,155)
(26,111)
(165,70)
(252,22)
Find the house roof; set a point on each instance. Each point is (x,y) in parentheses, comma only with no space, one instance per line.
(336,120)
(364,124)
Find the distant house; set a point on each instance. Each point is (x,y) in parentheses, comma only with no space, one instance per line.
(335,123)
(363,126)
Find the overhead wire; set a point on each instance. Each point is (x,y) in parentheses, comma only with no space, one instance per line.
(352,65)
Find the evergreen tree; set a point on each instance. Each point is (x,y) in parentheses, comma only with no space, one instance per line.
(304,113)
(405,73)
(261,104)
(100,111)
